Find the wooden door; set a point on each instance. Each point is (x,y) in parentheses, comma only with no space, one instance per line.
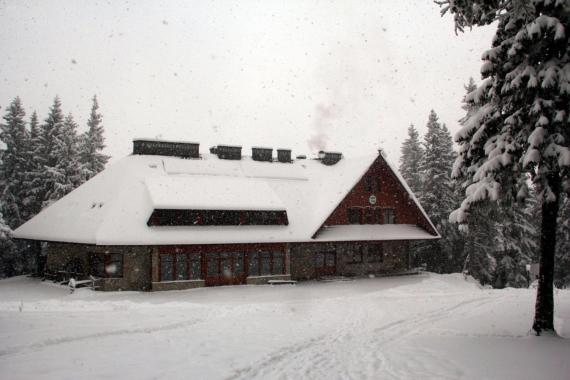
(225,268)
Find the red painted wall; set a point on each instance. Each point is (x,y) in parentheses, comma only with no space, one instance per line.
(391,195)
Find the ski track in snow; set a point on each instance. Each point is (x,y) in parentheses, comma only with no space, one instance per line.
(341,331)
(103,334)
(319,357)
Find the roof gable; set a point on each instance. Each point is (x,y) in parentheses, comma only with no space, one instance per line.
(387,190)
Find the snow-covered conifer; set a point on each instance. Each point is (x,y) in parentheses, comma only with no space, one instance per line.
(92,144)
(10,265)
(410,160)
(521,126)
(437,196)
(47,154)
(14,163)
(66,173)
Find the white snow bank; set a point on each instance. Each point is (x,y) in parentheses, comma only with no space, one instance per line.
(423,326)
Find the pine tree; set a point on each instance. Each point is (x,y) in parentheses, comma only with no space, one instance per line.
(66,173)
(92,144)
(47,156)
(521,127)
(437,196)
(31,201)
(9,265)
(14,163)
(516,237)
(410,160)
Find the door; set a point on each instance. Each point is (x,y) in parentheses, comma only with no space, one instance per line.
(325,263)
(225,268)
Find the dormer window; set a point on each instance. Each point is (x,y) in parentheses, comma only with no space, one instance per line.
(168,217)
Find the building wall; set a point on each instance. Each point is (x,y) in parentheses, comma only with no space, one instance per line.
(395,258)
(136,263)
(392,194)
(141,263)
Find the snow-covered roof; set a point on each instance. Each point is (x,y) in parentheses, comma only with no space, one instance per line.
(113,207)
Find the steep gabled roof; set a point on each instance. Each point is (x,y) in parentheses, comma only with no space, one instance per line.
(113,207)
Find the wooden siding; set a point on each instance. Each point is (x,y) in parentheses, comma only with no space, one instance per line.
(392,194)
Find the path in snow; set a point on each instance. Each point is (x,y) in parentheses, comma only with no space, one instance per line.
(429,327)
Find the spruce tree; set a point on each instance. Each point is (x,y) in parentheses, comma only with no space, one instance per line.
(521,127)
(66,173)
(47,154)
(14,163)
(31,201)
(92,144)
(410,160)
(9,263)
(437,196)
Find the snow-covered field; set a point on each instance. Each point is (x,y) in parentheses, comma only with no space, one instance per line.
(415,327)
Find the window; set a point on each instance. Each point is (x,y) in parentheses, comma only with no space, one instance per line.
(369,215)
(180,266)
(166,267)
(368,184)
(254,264)
(106,265)
(372,184)
(355,254)
(195,267)
(366,215)
(266,263)
(378,215)
(389,216)
(165,217)
(354,215)
(375,253)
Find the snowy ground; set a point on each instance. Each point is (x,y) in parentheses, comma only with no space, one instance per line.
(414,327)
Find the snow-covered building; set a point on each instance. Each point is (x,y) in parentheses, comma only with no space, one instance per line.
(168,217)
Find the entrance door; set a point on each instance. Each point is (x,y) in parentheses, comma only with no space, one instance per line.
(225,268)
(325,263)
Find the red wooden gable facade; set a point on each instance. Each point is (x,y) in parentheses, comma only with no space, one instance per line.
(379,198)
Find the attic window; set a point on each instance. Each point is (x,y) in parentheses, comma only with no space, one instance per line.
(168,217)
(372,184)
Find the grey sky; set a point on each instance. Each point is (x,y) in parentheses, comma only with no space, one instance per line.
(342,75)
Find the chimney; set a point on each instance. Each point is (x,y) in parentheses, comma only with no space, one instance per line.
(330,158)
(166,148)
(284,155)
(227,152)
(262,154)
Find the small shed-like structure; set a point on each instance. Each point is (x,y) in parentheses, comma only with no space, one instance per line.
(161,219)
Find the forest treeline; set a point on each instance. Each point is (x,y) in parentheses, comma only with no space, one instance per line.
(502,236)
(43,161)
(40,163)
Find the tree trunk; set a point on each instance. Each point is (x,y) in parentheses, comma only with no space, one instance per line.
(544,309)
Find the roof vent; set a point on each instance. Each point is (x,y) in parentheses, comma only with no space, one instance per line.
(262,154)
(227,152)
(166,148)
(302,157)
(284,155)
(330,158)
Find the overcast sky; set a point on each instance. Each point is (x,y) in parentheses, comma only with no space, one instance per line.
(307,75)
